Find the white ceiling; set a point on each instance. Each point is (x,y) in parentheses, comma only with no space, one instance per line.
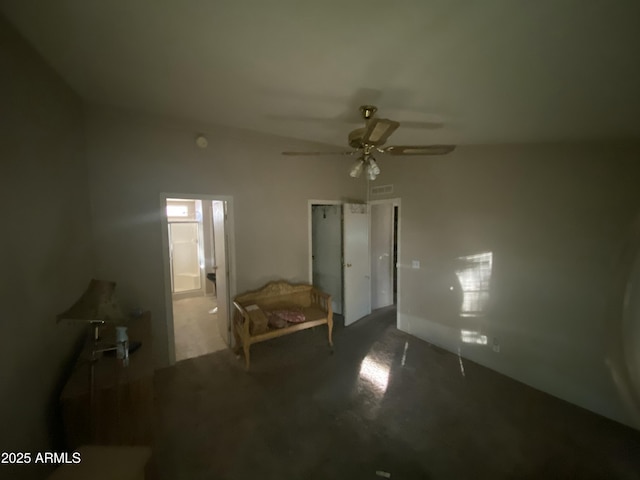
(492,71)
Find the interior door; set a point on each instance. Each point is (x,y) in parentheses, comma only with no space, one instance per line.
(222,268)
(631,326)
(381,218)
(357,277)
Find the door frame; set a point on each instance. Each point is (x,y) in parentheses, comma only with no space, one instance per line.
(395,202)
(231,258)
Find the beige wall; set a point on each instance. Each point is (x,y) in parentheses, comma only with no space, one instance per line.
(134,158)
(46,252)
(554,218)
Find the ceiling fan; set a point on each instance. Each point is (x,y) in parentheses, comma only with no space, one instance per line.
(370,139)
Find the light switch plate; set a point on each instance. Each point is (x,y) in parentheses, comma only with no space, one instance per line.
(415,264)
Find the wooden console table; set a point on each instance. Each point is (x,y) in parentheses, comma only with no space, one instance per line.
(106,463)
(121,413)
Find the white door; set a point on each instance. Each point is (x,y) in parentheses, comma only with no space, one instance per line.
(381,255)
(357,281)
(631,326)
(222,268)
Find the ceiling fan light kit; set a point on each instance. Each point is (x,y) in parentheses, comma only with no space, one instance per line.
(372,168)
(371,174)
(356,168)
(370,139)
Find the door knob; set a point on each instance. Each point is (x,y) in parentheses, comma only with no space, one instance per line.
(348,265)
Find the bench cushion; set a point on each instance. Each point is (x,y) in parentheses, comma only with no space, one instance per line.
(289,315)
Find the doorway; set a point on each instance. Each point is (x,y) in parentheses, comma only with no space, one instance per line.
(341,257)
(325,223)
(197,233)
(384,252)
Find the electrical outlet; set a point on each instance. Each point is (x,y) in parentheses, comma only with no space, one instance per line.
(496,345)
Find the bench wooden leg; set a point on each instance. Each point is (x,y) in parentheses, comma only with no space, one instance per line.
(238,345)
(330,329)
(246,346)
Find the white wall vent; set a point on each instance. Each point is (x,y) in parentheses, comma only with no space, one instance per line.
(382,190)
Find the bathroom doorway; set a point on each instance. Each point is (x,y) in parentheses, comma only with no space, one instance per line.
(197,266)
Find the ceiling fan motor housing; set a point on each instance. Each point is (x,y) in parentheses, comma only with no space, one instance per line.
(368,111)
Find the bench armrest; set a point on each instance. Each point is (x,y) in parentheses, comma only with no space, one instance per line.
(241,319)
(322,300)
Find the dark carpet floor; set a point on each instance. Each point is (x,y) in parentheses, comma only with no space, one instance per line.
(381,403)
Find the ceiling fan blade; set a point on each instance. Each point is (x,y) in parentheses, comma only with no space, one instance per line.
(318,153)
(422,125)
(378,130)
(301,118)
(420,149)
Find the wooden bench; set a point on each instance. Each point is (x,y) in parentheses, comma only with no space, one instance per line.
(253,309)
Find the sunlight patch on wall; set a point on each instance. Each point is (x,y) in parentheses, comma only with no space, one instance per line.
(474,276)
(468,336)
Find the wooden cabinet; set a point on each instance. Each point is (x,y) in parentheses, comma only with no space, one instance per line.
(107,463)
(121,410)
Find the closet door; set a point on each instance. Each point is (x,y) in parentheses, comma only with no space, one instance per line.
(356,266)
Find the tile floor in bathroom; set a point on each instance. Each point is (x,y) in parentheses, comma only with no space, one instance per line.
(196,330)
